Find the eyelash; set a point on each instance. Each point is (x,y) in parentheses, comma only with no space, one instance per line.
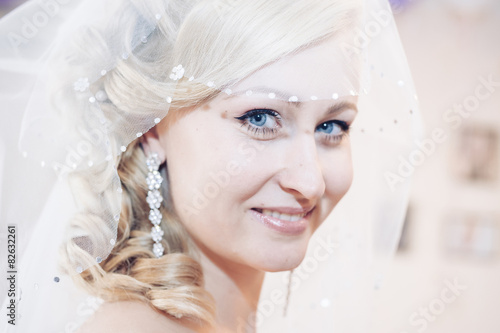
(266,132)
(338,138)
(263,132)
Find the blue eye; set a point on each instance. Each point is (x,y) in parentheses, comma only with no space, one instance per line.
(327,128)
(261,122)
(333,127)
(259,119)
(265,123)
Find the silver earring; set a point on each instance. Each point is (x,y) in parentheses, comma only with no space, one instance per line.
(154,199)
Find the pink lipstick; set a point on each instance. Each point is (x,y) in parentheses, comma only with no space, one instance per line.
(288,221)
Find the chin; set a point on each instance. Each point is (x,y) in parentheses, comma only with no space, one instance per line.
(284,259)
(281,267)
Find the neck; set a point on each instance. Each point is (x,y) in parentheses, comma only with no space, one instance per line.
(236,290)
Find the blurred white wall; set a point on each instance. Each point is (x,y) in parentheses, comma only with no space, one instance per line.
(453,46)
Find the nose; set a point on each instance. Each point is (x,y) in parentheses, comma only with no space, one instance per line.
(302,174)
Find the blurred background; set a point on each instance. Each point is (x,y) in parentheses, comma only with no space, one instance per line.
(7,5)
(445,276)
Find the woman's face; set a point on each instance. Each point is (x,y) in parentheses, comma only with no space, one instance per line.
(253,177)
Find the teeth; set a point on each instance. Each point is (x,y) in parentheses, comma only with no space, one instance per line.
(285,217)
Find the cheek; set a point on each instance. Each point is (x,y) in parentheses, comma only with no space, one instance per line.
(212,173)
(209,166)
(338,174)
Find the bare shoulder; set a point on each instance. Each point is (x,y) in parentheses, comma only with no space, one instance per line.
(130,317)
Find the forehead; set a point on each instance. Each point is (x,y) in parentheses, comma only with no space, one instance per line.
(317,72)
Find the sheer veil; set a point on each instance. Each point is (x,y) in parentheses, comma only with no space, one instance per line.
(56,124)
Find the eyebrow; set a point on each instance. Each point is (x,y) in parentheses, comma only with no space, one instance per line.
(334,109)
(340,107)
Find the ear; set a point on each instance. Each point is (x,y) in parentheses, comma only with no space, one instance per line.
(151,144)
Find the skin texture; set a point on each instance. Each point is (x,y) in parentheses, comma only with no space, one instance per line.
(224,162)
(221,169)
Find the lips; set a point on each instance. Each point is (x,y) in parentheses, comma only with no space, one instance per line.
(281,216)
(289,221)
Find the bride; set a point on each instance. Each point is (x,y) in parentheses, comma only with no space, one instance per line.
(204,143)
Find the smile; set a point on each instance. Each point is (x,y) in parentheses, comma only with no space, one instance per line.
(282,216)
(285,221)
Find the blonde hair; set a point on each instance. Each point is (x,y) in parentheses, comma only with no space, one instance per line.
(215,42)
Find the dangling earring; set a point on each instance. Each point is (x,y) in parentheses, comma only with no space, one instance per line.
(289,290)
(154,199)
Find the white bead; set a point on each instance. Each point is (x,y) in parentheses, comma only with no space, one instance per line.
(158,249)
(157,233)
(155,216)
(177,73)
(325,302)
(81,84)
(101,96)
(154,199)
